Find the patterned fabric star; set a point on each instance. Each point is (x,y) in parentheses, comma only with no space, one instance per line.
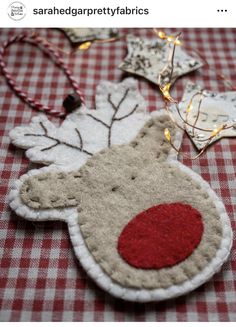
(147,58)
(216,110)
(80,35)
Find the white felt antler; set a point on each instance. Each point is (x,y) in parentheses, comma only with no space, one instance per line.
(120,113)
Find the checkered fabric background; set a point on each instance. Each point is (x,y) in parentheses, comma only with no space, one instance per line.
(40,278)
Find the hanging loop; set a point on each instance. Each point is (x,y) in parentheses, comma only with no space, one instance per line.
(48,48)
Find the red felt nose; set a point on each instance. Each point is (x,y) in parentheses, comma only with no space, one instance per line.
(161,236)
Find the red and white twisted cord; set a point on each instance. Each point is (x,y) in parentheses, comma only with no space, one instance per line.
(45,47)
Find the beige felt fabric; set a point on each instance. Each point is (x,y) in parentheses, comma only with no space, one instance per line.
(117,184)
(51,190)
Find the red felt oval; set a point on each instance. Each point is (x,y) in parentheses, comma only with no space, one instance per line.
(161,236)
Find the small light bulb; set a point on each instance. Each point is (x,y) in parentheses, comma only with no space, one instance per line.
(165,90)
(177,42)
(170,38)
(162,35)
(216,131)
(189,107)
(85,45)
(167,134)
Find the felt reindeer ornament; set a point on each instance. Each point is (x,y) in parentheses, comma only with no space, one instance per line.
(143,226)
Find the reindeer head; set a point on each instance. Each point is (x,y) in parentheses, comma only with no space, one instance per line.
(144,226)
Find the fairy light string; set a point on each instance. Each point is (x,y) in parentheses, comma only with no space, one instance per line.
(165,87)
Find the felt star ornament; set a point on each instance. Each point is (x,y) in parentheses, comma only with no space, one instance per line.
(143,226)
(209,113)
(147,58)
(88,35)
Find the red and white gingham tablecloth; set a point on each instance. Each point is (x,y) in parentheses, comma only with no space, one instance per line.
(40,277)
